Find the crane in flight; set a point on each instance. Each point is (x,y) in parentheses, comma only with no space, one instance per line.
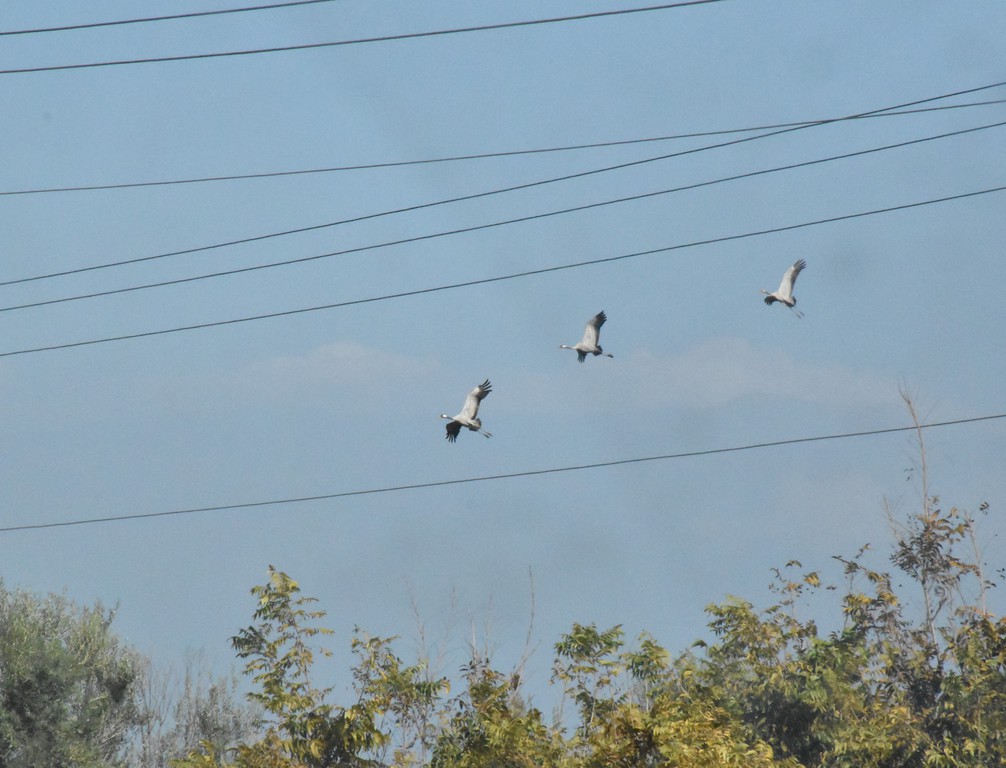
(469,414)
(785,292)
(591,334)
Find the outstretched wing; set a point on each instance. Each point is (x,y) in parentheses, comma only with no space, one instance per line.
(789,279)
(592,331)
(453,430)
(475,397)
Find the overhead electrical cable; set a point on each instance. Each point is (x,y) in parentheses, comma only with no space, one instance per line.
(172,17)
(502,476)
(475,228)
(477,156)
(500,278)
(542,182)
(360,41)
(406,209)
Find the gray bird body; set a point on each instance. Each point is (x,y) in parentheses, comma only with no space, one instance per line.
(785,292)
(589,343)
(469,413)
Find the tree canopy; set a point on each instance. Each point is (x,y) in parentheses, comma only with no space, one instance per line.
(890,687)
(65,683)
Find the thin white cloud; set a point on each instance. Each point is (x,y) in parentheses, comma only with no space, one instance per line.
(337,373)
(339,367)
(723,370)
(341,362)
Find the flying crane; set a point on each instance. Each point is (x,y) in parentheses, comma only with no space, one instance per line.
(591,334)
(469,414)
(785,292)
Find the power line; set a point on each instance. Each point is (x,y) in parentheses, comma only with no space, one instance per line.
(195,14)
(477,156)
(503,476)
(532,217)
(500,278)
(359,41)
(365,217)
(314,227)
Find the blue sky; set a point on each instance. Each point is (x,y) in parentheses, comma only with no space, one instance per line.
(347,399)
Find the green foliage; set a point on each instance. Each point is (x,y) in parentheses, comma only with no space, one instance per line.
(387,687)
(305,729)
(277,651)
(637,710)
(889,688)
(892,687)
(302,729)
(587,665)
(67,685)
(492,728)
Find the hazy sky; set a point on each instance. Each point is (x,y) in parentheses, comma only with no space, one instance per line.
(347,398)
